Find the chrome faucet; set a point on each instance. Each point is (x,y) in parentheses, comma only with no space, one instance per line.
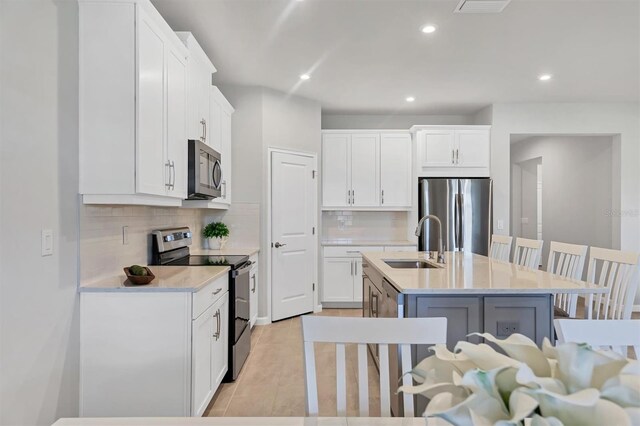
(440,246)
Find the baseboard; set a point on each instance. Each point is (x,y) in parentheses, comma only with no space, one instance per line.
(263,321)
(342,305)
(317,309)
(636,308)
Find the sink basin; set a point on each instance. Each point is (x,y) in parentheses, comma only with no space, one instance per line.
(410,264)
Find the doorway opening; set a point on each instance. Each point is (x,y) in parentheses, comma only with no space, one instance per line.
(563,188)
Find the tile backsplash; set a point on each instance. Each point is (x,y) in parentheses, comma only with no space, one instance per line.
(102,251)
(364,225)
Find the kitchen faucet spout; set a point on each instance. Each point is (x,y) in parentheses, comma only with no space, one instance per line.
(440,245)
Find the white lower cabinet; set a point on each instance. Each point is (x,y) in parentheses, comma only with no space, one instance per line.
(152,353)
(253,295)
(342,274)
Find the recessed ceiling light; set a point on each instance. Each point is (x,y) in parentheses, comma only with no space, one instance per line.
(410,99)
(428,29)
(305,77)
(545,77)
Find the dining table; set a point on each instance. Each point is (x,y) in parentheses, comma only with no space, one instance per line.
(250,421)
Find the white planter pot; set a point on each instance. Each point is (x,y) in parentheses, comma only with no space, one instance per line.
(217,243)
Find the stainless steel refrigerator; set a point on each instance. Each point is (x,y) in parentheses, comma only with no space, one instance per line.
(464,205)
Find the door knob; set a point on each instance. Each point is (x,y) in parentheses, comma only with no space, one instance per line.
(278,245)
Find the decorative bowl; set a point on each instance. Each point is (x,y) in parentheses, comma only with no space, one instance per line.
(140,279)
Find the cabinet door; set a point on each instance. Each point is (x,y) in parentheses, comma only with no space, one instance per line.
(338,280)
(357,280)
(177,124)
(335,170)
(436,148)
(214,133)
(531,316)
(220,353)
(395,170)
(253,296)
(225,152)
(365,161)
(151,171)
(473,148)
(204,107)
(201,356)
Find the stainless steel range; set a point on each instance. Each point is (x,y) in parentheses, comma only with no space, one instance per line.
(171,248)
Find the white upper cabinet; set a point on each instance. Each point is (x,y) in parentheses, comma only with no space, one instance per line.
(444,151)
(356,172)
(200,71)
(336,158)
(133,137)
(395,170)
(365,169)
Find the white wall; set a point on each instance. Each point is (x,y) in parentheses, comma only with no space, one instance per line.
(576,190)
(39,347)
(389,121)
(622,120)
(264,119)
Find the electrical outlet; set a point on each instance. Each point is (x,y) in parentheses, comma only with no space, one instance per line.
(507,328)
(46,237)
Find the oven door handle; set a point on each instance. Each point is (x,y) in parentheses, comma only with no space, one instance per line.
(244,270)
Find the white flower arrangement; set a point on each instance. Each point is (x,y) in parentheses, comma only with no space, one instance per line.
(569,384)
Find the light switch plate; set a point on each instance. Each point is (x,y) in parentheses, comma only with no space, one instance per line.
(500,224)
(47,242)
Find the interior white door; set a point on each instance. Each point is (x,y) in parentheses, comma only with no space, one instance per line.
(293,219)
(365,178)
(395,170)
(335,170)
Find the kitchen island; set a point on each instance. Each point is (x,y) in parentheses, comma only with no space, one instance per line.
(475,294)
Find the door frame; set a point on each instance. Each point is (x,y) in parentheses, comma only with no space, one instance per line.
(268,275)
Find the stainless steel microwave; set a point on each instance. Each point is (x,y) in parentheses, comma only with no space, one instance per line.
(205,172)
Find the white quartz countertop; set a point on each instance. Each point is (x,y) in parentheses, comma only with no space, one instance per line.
(465,273)
(350,242)
(168,278)
(229,251)
(252,421)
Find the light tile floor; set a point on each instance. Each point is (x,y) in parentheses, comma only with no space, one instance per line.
(271,382)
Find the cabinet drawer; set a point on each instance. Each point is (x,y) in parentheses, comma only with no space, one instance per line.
(351,251)
(209,294)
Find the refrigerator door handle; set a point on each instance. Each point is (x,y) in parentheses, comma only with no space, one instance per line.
(461,231)
(458,225)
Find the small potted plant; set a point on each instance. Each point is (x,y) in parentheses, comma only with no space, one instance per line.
(217,234)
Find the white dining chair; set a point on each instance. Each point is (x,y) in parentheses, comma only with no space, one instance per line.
(500,247)
(616,335)
(383,332)
(617,271)
(528,253)
(566,260)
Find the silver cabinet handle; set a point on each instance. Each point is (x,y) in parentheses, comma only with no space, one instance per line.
(353,196)
(173,170)
(168,165)
(218,290)
(224,185)
(349,197)
(353,251)
(382,196)
(457,156)
(203,122)
(351,270)
(253,289)
(217,317)
(374,312)
(355,267)
(453,156)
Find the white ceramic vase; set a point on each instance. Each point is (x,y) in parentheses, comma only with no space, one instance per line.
(217,243)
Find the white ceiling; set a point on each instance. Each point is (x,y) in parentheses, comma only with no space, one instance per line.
(367,56)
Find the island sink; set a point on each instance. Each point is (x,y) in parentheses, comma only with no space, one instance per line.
(409,264)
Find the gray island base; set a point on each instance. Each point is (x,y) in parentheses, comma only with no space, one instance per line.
(474,293)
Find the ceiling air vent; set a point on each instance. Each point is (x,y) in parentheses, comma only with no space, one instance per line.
(481,6)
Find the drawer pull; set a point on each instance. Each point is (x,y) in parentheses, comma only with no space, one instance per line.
(353,251)
(217,291)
